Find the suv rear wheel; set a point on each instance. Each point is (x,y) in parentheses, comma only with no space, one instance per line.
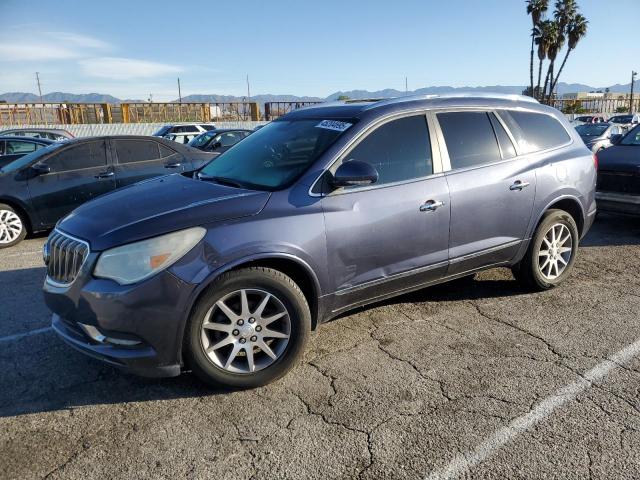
(249,329)
(13,228)
(551,253)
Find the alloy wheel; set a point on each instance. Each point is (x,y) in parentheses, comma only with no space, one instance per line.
(246,331)
(10,226)
(555,251)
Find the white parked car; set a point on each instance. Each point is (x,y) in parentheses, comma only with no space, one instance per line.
(183,132)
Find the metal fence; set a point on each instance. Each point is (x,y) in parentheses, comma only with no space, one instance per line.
(106,113)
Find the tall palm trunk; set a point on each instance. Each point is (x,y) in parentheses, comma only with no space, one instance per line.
(537,91)
(546,81)
(555,82)
(531,63)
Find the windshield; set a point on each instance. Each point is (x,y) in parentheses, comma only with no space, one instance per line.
(27,159)
(276,155)
(591,130)
(162,131)
(631,138)
(202,139)
(621,119)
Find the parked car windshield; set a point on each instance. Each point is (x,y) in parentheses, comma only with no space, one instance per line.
(202,139)
(161,131)
(276,155)
(29,158)
(591,129)
(621,119)
(631,138)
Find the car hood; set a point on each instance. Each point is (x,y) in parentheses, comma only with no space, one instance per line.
(620,158)
(157,206)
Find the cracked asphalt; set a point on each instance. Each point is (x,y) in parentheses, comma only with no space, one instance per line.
(395,390)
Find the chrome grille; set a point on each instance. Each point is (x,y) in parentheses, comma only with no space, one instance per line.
(66,255)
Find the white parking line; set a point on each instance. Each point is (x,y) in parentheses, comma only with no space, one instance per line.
(18,336)
(462,463)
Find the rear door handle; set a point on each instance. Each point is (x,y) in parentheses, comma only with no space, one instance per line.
(105,175)
(172,165)
(430,206)
(518,185)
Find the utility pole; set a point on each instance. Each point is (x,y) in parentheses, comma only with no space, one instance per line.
(633,79)
(179,92)
(39,87)
(406,86)
(248,89)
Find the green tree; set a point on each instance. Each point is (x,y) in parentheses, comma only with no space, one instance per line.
(342,98)
(576,31)
(537,9)
(545,37)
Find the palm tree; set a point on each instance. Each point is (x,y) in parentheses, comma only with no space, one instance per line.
(545,36)
(576,31)
(535,8)
(556,42)
(564,13)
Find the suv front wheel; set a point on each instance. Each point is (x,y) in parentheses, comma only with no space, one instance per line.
(248,329)
(551,253)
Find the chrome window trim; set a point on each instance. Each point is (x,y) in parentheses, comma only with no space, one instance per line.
(353,143)
(67,285)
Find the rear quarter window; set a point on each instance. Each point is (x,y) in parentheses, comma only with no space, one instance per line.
(535,131)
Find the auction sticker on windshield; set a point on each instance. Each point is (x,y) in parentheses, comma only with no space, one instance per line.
(334,125)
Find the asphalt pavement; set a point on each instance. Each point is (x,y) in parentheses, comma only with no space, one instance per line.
(474,379)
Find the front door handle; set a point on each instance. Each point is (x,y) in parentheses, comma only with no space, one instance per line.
(518,185)
(431,205)
(105,175)
(172,165)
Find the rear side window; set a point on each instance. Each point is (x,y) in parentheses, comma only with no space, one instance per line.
(18,147)
(470,138)
(208,127)
(399,150)
(131,151)
(535,131)
(165,151)
(77,157)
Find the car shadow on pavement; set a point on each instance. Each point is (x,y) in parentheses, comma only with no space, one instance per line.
(613,230)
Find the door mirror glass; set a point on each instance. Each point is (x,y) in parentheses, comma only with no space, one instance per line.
(353,173)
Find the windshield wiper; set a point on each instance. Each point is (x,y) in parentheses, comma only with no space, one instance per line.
(221,180)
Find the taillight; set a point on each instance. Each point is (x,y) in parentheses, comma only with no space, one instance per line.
(595,160)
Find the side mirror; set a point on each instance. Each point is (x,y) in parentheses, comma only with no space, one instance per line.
(615,138)
(40,168)
(354,172)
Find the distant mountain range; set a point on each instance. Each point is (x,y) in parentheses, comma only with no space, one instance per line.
(55,97)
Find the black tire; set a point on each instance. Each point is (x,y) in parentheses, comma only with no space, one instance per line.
(5,210)
(528,271)
(268,280)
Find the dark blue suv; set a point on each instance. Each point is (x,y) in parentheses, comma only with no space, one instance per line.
(226,272)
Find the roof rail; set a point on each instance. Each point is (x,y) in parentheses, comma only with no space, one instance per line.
(498,96)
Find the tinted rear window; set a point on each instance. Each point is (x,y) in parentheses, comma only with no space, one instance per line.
(535,131)
(130,151)
(469,138)
(78,157)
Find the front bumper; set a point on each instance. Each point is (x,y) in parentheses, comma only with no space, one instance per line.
(154,312)
(618,203)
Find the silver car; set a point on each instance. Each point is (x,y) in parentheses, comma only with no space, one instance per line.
(598,136)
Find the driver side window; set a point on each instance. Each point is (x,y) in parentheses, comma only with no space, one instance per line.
(400,150)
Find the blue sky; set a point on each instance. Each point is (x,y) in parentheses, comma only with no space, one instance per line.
(132,48)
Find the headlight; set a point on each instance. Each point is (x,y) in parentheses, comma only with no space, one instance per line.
(135,262)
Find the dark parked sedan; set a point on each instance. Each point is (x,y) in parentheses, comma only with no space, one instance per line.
(12,148)
(618,187)
(43,186)
(219,140)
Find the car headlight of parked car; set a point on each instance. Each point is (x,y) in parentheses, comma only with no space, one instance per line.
(137,261)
